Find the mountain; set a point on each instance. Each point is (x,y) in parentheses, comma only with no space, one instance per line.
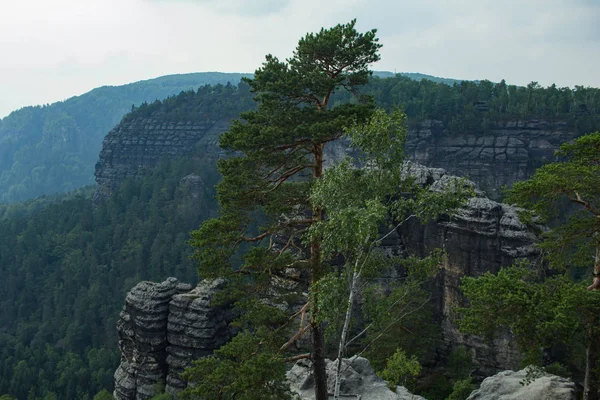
(418,76)
(68,263)
(53,148)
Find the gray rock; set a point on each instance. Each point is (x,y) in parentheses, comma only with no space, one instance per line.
(358,381)
(507,385)
(162,329)
(134,147)
(507,153)
(193,185)
(482,236)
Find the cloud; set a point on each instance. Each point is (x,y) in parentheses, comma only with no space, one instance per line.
(241,7)
(54,50)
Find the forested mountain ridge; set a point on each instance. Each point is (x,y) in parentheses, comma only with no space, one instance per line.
(496,134)
(53,148)
(66,268)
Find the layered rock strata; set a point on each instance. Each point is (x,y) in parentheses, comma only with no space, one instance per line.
(482,236)
(134,147)
(508,152)
(162,329)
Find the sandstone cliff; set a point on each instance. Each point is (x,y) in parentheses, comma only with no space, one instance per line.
(482,236)
(134,147)
(510,151)
(163,327)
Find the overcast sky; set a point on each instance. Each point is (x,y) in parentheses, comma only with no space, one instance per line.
(52,50)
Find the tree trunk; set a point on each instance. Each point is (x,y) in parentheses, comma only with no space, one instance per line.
(338,368)
(318,358)
(318,340)
(590,385)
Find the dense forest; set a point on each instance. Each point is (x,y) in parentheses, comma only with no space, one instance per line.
(53,148)
(66,267)
(467,106)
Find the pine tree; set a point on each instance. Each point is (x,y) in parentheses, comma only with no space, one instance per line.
(544,312)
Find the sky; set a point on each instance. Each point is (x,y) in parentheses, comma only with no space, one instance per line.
(52,50)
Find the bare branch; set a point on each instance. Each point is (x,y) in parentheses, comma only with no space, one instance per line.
(294,338)
(255,238)
(298,357)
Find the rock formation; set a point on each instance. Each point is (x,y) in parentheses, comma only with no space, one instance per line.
(134,147)
(482,236)
(509,385)
(358,381)
(508,152)
(162,329)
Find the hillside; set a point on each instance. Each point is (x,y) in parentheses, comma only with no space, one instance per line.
(66,268)
(494,133)
(53,148)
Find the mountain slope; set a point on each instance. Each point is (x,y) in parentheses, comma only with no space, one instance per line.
(53,148)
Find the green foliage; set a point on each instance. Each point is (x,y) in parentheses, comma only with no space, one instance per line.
(53,148)
(242,370)
(277,158)
(435,386)
(162,396)
(103,395)
(540,312)
(400,368)
(558,369)
(576,179)
(66,271)
(460,364)
(461,389)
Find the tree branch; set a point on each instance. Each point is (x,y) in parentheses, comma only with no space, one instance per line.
(298,357)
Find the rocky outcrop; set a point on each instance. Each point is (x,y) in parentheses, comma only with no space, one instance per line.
(134,147)
(509,151)
(511,385)
(358,381)
(193,185)
(162,329)
(482,236)
(165,326)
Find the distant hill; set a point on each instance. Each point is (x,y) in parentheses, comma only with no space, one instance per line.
(417,77)
(53,148)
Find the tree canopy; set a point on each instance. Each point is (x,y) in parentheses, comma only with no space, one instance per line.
(291,220)
(545,307)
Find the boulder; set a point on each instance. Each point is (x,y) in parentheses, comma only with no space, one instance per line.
(510,385)
(358,381)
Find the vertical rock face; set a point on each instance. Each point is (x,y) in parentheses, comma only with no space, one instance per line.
(162,328)
(196,327)
(482,236)
(134,147)
(508,152)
